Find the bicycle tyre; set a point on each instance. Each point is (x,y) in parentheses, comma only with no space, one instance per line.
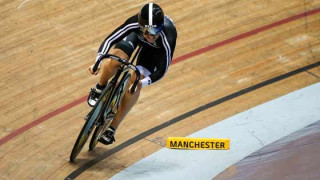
(96,134)
(89,125)
(81,140)
(94,138)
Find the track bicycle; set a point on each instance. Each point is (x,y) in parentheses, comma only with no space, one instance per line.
(102,114)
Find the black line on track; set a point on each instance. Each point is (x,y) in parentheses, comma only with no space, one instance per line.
(144,134)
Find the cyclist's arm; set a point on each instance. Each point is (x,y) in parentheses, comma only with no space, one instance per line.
(155,76)
(128,26)
(169,43)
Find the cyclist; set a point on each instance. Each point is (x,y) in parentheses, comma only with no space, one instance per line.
(157,35)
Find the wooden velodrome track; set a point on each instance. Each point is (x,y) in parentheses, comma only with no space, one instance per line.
(270,47)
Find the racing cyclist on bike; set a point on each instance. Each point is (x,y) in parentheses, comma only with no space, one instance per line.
(157,35)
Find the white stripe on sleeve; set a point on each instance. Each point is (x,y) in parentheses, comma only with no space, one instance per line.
(167,47)
(117,35)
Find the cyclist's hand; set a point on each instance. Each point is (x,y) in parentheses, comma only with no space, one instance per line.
(91,70)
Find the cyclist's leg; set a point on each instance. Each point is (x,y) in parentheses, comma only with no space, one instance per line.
(145,66)
(127,102)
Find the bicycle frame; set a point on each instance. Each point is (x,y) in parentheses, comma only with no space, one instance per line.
(123,69)
(101,114)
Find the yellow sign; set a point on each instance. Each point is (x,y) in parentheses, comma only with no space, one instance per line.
(198,143)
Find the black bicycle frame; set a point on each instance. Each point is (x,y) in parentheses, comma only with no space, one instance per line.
(123,69)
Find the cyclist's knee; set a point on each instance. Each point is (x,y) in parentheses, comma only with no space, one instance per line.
(114,64)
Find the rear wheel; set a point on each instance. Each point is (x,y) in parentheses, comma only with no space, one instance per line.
(96,134)
(100,128)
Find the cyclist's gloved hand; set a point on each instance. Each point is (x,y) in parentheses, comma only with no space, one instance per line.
(91,70)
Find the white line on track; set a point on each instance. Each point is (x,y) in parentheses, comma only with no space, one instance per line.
(21,5)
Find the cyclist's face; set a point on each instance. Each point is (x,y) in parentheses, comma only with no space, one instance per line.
(150,38)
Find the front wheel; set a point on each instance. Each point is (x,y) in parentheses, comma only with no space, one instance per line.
(81,140)
(91,121)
